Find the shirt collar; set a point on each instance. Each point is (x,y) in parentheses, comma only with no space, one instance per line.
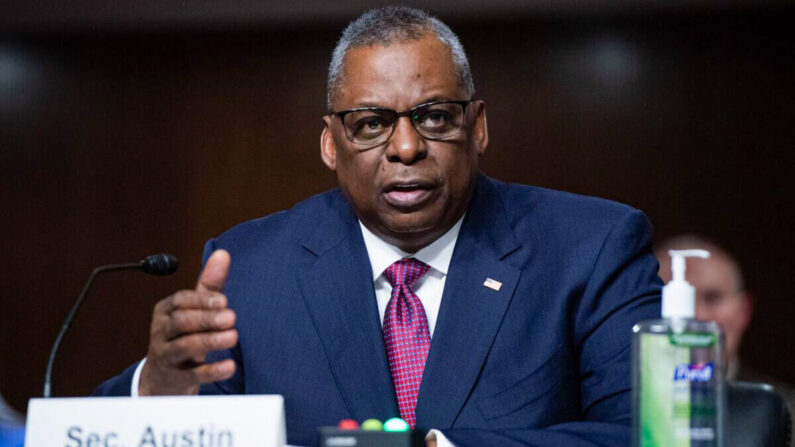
(437,255)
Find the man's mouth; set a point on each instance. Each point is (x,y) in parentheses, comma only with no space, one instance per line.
(408,195)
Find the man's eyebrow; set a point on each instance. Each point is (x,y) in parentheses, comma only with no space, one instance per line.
(369,105)
(432,99)
(374,105)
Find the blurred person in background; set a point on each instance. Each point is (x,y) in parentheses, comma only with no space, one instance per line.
(720,291)
(721,296)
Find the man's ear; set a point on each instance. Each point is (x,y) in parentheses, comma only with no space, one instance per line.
(328,148)
(480,128)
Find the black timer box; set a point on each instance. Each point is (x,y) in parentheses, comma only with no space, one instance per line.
(334,437)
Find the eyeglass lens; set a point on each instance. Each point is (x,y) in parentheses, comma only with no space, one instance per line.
(432,121)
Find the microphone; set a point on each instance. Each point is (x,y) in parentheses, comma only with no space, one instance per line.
(160,264)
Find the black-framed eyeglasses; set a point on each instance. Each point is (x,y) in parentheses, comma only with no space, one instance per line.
(372,126)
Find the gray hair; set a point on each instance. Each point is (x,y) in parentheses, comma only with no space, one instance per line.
(391,24)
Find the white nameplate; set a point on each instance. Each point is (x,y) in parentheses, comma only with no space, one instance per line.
(184,421)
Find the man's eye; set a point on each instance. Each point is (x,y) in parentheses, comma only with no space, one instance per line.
(373,124)
(370,125)
(433,119)
(713,298)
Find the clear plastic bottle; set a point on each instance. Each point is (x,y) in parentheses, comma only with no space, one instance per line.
(678,371)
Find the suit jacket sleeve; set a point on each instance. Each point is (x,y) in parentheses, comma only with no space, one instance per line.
(118,386)
(622,290)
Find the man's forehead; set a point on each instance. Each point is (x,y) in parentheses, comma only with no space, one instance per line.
(406,72)
(715,271)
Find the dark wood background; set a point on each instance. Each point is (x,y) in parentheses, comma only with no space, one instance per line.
(115,144)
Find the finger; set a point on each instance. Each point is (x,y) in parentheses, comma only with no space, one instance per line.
(214,274)
(190,299)
(213,372)
(186,321)
(197,345)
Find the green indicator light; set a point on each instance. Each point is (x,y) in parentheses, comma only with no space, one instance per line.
(372,425)
(396,424)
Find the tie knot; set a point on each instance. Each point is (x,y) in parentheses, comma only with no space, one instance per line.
(405,271)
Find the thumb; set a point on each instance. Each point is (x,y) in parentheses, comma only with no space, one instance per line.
(214,274)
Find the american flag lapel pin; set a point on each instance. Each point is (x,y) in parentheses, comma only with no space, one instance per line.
(492,284)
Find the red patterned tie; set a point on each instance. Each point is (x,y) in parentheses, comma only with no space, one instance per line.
(406,334)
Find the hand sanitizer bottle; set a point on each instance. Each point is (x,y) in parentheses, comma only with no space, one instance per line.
(678,371)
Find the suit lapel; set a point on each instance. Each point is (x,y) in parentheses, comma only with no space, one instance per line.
(338,290)
(471,312)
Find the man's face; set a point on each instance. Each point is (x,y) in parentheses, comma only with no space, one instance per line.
(409,190)
(717,296)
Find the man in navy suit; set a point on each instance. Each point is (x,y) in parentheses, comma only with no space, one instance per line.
(514,317)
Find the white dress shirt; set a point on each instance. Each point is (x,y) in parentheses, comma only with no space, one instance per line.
(428,288)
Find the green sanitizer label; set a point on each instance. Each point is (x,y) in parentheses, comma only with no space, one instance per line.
(693,339)
(665,409)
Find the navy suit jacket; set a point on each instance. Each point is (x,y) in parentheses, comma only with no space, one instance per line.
(544,360)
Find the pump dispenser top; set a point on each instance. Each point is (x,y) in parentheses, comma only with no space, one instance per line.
(679,296)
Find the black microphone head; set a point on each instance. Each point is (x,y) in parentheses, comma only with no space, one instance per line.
(161,264)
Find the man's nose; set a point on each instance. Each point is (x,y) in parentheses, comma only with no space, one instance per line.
(704,312)
(406,145)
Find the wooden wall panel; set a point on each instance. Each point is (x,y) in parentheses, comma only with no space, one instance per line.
(115,146)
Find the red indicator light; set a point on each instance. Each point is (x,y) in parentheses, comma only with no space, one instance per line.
(348,424)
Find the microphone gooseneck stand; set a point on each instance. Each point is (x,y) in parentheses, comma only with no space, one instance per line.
(161,264)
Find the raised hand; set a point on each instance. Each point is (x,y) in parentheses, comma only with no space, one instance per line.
(185,327)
